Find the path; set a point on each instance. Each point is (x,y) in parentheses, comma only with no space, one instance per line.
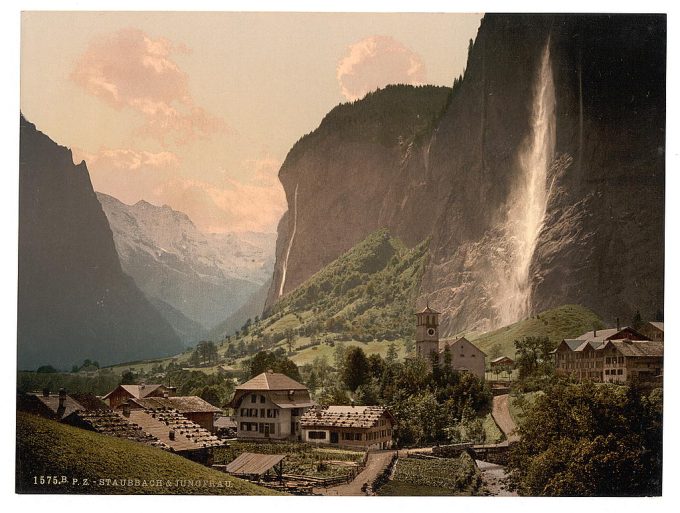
(493,477)
(375,464)
(501,414)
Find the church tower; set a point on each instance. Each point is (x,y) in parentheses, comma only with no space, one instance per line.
(427,332)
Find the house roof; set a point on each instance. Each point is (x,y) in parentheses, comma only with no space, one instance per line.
(189,436)
(271,381)
(137,391)
(656,324)
(610,334)
(90,401)
(249,463)
(345,416)
(458,342)
(52,403)
(501,359)
(183,404)
(633,348)
(107,422)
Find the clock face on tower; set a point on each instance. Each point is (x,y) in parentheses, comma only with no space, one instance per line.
(430,332)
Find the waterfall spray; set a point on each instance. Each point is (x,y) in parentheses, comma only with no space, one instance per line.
(284,267)
(529,200)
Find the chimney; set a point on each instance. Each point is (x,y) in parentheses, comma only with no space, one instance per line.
(46,392)
(171,434)
(618,325)
(126,409)
(270,371)
(352,403)
(62,398)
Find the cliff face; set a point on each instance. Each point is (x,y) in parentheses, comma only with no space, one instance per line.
(74,300)
(542,183)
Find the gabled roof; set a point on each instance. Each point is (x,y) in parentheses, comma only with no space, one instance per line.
(656,324)
(183,404)
(611,334)
(501,358)
(52,403)
(138,391)
(345,416)
(461,341)
(634,348)
(271,381)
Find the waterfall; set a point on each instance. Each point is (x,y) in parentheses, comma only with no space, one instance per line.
(284,267)
(529,200)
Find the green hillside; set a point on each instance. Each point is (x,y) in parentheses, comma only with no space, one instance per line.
(366,297)
(566,321)
(48,448)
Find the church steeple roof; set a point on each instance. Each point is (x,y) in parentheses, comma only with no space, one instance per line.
(428,310)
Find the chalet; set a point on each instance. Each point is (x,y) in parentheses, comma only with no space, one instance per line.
(364,427)
(611,355)
(192,407)
(502,362)
(175,432)
(461,354)
(122,393)
(652,330)
(269,406)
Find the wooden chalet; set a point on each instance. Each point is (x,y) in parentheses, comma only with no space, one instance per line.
(361,427)
(123,393)
(269,406)
(192,407)
(653,330)
(502,362)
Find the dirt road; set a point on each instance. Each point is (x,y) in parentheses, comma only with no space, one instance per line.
(375,464)
(501,414)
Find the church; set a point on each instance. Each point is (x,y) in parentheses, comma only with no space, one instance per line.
(464,355)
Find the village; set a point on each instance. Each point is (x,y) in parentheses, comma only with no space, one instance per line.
(273,432)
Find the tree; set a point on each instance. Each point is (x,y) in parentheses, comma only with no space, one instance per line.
(264,361)
(356,370)
(589,440)
(128,377)
(290,339)
(46,369)
(637,320)
(376,365)
(533,356)
(392,354)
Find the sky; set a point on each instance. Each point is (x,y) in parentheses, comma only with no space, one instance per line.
(198,110)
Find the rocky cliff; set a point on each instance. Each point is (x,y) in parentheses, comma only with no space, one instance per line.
(542,183)
(74,300)
(201,277)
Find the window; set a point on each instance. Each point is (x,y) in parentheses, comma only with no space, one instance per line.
(253,398)
(357,436)
(243,410)
(316,435)
(473,355)
(243,426)
(619,372)
(262,399)
(620,359)
(262,412)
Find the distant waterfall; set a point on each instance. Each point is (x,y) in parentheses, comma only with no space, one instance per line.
(529,199)
(290,242)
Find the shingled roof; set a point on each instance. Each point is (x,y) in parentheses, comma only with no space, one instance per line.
(183,404)
(633,348)
(106,422)
(271,381)
(188,436)
(137,391)
(344,416)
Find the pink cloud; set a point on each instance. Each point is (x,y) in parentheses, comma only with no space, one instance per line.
(128,69)
(377,61)
(254,204)
(127,159)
